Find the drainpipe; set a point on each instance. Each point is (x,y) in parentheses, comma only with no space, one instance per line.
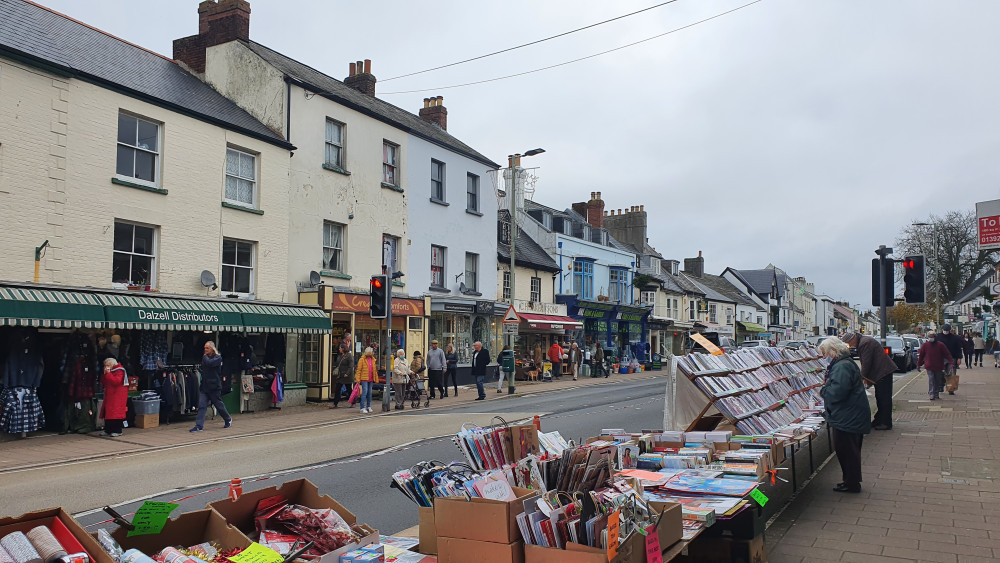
(561,273)
(39,251)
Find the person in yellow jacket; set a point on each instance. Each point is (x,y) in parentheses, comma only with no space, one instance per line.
(366,374)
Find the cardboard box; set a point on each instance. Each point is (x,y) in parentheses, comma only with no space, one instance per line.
(240,512)
(456,550)
(27,521)
(480,519)
(428,531)
(147,420)
(715,549)
(190,528)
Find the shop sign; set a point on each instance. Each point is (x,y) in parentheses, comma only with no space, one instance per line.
(484,307)
(459,308)
(361,303)
(170,316)
(988,224)
(633,317)
(592,313)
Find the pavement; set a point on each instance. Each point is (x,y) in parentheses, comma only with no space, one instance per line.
(930,490)
(46,449)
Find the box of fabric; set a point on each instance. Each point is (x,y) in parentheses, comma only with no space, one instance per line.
(45,533)
(146,406)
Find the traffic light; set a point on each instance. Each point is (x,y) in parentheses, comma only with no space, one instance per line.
(889,274)
(913,279)
(379,307)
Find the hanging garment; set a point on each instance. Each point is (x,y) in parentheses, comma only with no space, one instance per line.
(152,347)
(191,388)
(278,388)
(79,417)
(22,412)
(81,379)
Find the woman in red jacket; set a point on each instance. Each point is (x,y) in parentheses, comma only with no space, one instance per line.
(113,409)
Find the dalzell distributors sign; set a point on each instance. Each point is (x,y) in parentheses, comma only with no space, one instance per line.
(988,224)
(173,315)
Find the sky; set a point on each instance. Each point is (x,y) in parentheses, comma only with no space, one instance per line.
(801,134)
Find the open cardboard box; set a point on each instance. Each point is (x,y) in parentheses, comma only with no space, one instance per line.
(67,530)
(428,531)
(480,519)
(188,529)
(240,512)
(456,550)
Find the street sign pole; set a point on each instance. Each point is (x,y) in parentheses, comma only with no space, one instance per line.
(884,285)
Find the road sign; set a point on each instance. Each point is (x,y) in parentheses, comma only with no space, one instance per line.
(510,328)
(995,289)
(988,224)
(511,316)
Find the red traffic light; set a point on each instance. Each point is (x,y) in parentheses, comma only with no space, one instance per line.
(376,283)
(908,264)
(888,351)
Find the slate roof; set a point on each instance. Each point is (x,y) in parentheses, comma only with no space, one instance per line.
(710,293)
(725,287)
(529,253)
(666,281)
(339,92)
(67,46)
(760,280)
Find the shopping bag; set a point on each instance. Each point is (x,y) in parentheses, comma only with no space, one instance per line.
(951,383)
(355,393)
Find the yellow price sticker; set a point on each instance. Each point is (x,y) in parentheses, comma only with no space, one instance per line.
(257,553)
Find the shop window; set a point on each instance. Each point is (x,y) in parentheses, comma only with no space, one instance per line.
(617,281)
(472,192)
(506,285)
(134,260)
(310,353)
(583,279)
(437,265)
(390,256)
(237,267)
(241,178)
(416,323)
(390,163)
(437,181)
(536,289)
(335,144)
(471,271)
(333,246)
(138,149)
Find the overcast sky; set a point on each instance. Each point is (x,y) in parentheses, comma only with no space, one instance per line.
(799,133)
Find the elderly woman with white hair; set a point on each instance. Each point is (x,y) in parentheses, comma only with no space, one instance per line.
(115,405)
(400,377)
(210,389)
(847,411)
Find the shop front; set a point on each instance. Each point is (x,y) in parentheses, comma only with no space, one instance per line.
(622,329)
(661,340)
(462,322)
(349,313)
(746,330)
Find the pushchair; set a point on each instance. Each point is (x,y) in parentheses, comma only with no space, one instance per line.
(415,389)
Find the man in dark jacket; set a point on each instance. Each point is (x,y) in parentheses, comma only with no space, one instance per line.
(480,361)
(955,344)
(933,355)
(345,371)
(210,390)
(876,368)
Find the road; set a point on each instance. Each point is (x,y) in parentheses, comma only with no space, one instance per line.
(351,461)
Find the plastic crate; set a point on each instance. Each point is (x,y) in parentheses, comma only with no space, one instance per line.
(151,406)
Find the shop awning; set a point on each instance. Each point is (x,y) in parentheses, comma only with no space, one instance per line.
(261,317)
(21,306)
(752,327)
(550,322)
(144,312)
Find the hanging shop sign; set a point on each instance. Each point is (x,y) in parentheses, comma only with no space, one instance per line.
(484,307)
(459,308)
(988,224)
(357,303)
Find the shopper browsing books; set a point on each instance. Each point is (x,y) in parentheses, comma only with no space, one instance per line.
(876,369)
(847,411)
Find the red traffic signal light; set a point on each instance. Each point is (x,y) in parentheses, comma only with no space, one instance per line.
(376,283)
(380,298)
(914,282)
(888,351)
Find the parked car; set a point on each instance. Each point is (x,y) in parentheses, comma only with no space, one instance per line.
(900,352)
(754,343)
(914,345)
(725,343)
(793,344)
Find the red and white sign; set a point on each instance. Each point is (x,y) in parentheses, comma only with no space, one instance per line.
(988,224)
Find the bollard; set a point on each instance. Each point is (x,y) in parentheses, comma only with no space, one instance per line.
(235,488)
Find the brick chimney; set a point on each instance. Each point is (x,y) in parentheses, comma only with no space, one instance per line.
(435,112)
(695,266)
(219,21)
(592,210)
(361,78)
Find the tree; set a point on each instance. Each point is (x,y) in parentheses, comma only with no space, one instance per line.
(906,317)
(957,261)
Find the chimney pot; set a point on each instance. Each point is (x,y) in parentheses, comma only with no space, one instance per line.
(642,208)
(593,195)
(353,69)
(435,112)
(699,254)
(361,78)
(368,66)
(598,195)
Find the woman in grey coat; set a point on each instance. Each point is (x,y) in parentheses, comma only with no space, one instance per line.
(847,411)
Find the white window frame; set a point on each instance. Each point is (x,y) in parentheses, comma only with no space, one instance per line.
(472,192)
(132,252)
(505,284)
(339,251)
(156,153)
(472,276)
(647,298)
(692,310)
(390,253)
(438,186)
(331,145)
(252,267)
(536,289)
(439,266)
(390,163)
(239,176)
(713,310)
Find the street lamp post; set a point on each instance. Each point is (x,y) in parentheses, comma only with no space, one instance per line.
(514,165)
(937,271)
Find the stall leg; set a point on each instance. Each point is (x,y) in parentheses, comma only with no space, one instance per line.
(795,480)
(812,468)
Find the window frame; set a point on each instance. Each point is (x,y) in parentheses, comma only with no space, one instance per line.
(536,293)
(713,312)
(584,271)
(253,267)
(394,240)
(439,267)
(342,165)
(157,154)
(393,165)
(617,281)
(505,285)
(692,310)
(647,297)
(438,185)
(254,191)
(342,249)
(474,277)
(472,193)
(155,243)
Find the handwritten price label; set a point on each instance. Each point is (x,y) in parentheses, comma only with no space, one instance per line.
(257,553)
(613,522)
(654,554)
(150,518)
(758,496)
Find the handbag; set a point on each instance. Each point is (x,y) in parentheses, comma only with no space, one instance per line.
(355,393)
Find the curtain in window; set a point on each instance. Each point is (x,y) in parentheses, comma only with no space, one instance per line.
(332,245)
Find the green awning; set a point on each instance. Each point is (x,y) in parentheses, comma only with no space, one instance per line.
(21,306)
(262,317)
(158,313)
(752,327)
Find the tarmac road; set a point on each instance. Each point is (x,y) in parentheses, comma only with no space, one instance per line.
(352,461)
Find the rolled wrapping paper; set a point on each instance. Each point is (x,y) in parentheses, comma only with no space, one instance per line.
(5,557)
(46,544)
(136,556)
(20,549)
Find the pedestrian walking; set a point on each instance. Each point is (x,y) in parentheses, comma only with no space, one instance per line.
(417,369)
(599,361)
(115,405)
(400,377)
(539,358)
(452,371)
(956,347)
(345,372)
(555,356)
(366,375)
(437,363)
(934,356)
(978,347)
(480,361)
(575,359)
(210,390)
(846,411)
(876,369)
(968,350)
(500,372)
(995,350)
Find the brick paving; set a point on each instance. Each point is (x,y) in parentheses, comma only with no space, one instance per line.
(930,490)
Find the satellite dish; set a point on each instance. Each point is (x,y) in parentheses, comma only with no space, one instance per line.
(462,288)
(314,278)
(208,279)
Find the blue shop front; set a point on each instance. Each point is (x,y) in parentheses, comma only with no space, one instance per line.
(622,328)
